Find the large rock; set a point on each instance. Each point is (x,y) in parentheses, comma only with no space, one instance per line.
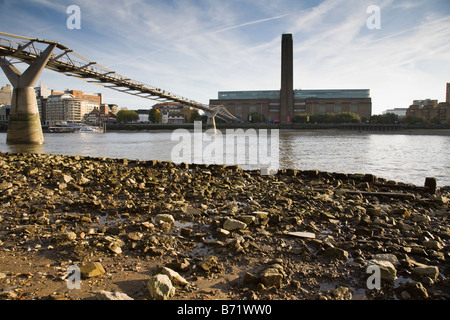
(427,271)
(387,269)
(233,224)
(160,287)
(92,269)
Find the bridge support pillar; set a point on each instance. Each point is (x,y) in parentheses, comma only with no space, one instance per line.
(24,126)
(211,123)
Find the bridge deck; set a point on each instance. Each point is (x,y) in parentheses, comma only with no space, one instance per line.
(65,60)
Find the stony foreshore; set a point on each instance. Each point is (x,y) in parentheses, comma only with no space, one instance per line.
(157,230)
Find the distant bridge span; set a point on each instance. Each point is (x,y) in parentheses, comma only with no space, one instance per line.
(65,60)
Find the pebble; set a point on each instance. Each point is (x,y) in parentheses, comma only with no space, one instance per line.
(233,222)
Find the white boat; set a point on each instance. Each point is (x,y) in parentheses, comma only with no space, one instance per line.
(86,130)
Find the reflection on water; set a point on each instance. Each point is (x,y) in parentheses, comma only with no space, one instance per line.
(406,158)
(25,148)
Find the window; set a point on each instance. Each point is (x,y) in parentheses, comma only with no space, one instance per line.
(354,108)
(322,109)
(337,108)
(238,111)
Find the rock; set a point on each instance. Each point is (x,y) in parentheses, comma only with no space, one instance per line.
(412,290)
(66,237)
(421,218)
(427,271)
(333,253)
(174,276)
(250,278)
(342,293)
(160,287)
(387,257)
(387,269)
(92,269)
(432,244)
(401,212)
(163,217)
(135,236)
(271,277)
(233,224)
(114,247)
(246,218)
(301,234)
(106,295)
(211,264)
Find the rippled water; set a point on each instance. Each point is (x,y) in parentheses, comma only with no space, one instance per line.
(406,158)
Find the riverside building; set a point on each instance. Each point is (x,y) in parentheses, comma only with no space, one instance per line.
(284,104)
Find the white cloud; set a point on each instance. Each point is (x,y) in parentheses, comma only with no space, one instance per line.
(196,48)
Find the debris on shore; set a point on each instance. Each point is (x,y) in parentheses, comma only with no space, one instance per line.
(159,230)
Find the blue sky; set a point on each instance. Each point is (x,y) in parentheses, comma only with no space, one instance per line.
(197,48)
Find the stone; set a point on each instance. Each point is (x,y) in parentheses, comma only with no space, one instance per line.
(392,258)
(211,264)
(160,287)
(300,234)
(401,212)
(342,293)
(334,253)
(432,244)
(107,295)
(174,276)
(135,236)
(246,218)
(387,269)
(233,224)
(271,277)
(163,217)
(427,271)
(413,290)
(114,247)
(250,278)
(92,269)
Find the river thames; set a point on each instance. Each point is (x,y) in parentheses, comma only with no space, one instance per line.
(400,157)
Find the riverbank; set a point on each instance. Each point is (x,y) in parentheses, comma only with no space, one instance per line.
(319,128)
(227,233)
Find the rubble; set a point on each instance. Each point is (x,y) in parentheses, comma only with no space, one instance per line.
(215,232)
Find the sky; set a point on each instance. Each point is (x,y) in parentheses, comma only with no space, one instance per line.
(196,48)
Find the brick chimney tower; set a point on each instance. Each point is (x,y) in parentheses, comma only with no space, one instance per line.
(287,79)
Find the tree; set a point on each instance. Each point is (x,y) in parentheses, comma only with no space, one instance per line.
(301,118)
(126,116)
(388,118)
(195,116)
(154,115)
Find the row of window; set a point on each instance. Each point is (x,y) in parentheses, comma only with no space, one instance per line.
(322,108)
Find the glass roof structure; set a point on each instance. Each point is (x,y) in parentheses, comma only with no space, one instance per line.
(298,94)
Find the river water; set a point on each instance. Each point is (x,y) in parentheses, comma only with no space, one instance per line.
(405,158)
